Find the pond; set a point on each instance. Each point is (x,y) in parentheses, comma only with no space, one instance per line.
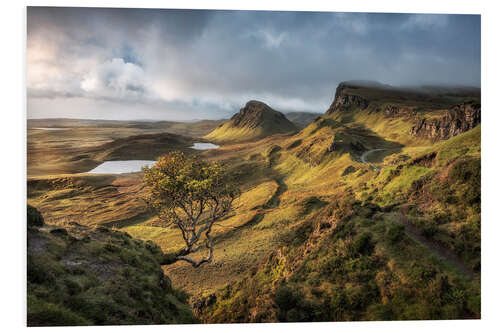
(52,128)
(121,166)
(204,146)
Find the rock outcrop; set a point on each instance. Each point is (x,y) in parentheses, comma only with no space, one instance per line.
(399,111)
(457,120)
(345,101)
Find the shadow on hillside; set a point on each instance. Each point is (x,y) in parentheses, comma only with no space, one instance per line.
(359,139)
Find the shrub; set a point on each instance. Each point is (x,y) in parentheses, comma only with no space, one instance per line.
(286,298)
(430,228)
(343,230)
(73,287)
(310,204)
(395,233)
(41,313)
(363,244)
(468,172)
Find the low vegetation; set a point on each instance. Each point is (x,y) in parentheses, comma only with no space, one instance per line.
(85,276)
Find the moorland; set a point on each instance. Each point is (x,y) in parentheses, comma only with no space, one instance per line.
(370,211)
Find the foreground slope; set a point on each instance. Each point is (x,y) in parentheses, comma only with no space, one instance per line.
(97,277)
(256,120)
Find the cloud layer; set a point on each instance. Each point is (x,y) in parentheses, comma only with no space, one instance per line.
(186,64)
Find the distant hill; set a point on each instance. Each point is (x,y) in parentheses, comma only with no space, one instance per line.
(195,128)
(302,119)
(144,146)
(256,120)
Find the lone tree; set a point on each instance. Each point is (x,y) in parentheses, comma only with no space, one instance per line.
(191,194)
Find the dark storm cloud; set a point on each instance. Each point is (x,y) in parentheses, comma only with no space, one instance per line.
(212,62)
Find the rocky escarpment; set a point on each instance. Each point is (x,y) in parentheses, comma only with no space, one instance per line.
(345,100)
(393,111)
(457,120)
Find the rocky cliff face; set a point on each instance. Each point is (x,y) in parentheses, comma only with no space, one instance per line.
(457,120)
(345,101)
(398,111)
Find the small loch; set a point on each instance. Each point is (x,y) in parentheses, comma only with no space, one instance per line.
(204,146)
(117,167)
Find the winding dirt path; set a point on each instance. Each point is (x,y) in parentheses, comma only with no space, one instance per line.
(437,249)
(363,158)
(440,251)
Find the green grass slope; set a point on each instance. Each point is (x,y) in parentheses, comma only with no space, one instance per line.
(403,244)
(255,121)
(97,277)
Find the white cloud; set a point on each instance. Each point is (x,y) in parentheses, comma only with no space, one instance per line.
(115,79)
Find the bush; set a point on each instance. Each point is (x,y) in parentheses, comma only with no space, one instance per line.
(42,313)
(339,304)
(39,273)
(430,228)
(363,244)
(395,233)
(468,172)
(310,204)
(343,230)
(73,287)
(286,298)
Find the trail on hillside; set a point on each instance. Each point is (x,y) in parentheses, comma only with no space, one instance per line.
(363,158)
(437,249)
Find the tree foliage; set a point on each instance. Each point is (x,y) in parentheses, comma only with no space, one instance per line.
(191,194)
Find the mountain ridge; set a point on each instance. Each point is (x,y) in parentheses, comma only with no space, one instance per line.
(254,121)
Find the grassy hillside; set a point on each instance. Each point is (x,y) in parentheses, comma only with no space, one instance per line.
(354,217)
(256,120)
(359,255)
(84,276)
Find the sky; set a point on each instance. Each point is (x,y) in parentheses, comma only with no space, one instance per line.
(161,64)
